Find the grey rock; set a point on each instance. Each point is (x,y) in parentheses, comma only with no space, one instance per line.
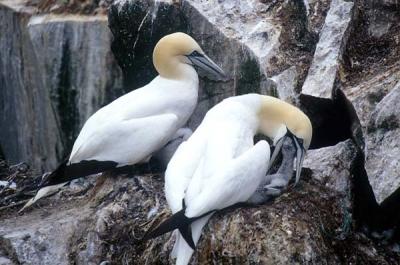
(331,165)
(24,107)
(56,70)
(74,51)
(285,84)
(381,16)
(5,260)
(38,240)
(370,91)
(383,147)
(324,68)
(243,21)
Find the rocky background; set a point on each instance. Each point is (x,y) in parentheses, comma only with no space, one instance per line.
(60,60)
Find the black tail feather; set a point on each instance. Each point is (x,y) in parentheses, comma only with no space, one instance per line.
(177,221)
(186,232)
(65,172)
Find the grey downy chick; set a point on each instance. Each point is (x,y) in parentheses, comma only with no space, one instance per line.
(276,183)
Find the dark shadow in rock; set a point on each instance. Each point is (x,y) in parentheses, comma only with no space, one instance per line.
(2,157)
(329,126)
(368,214)
(365,208)
(334,120)
(134,39)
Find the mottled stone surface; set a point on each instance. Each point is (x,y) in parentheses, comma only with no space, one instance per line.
(77,67)
(55,71)
(29,129)
(324,68)
(331,165)
(383,147)
(286,83)
(367,94)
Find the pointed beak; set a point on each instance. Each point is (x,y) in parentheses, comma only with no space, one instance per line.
(299,157)
(205,63)
(278,142)
(278,147)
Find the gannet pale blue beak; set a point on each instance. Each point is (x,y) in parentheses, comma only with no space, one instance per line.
(205,63)
(278,141)
(300,153)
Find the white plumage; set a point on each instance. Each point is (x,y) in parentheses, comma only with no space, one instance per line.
(217,167)
(131,128)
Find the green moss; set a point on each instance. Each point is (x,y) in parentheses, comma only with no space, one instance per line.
(65,98)
(249,77)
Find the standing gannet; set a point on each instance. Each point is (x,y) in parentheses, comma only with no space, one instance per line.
(219,165)
(131,128)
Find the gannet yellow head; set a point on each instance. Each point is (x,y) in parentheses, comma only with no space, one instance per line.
(178,50)
(279,119)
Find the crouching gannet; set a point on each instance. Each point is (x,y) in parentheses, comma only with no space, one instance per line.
(131,128)
(219,165)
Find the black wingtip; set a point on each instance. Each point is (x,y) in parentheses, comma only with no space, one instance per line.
(50,179)
(177,221)
(66,172)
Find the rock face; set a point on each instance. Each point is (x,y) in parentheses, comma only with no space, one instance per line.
(286,82)
(383,165)
(77,65)
(56,70)
(24,108)
(370,73)
(324,68)
(332,161)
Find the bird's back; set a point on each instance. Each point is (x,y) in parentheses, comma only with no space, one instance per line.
(160,97)
(224,134)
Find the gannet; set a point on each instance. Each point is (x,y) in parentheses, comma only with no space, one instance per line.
(131,128)
(219,165)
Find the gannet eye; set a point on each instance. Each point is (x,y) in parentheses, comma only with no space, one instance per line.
(195,54)
(202,61)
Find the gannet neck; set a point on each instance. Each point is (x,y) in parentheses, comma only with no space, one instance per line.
(274,112)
